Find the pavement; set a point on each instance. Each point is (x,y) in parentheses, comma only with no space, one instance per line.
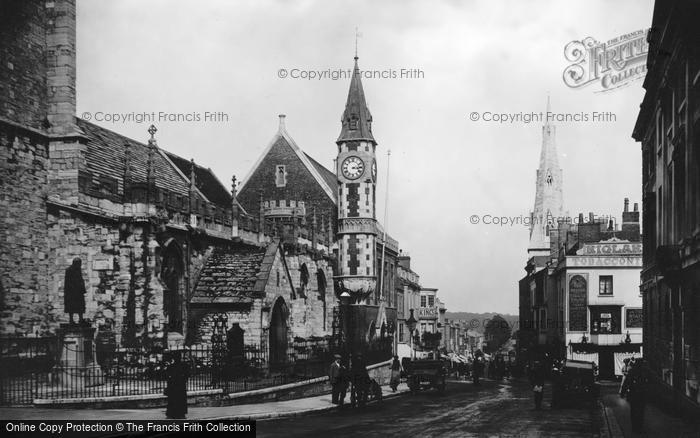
(657,423)
(256,411)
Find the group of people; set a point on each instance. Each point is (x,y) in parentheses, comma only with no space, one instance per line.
(356,377)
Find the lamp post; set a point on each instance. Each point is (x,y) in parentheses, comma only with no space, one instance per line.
(411,323)
(345,312)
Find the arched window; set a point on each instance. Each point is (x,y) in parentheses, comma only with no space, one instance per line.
(321,282)
(171,275)
(303,280)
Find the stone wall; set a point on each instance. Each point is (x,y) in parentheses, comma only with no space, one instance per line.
(23,234)
(23,88)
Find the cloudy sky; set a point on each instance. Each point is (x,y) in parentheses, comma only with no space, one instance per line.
(185,57)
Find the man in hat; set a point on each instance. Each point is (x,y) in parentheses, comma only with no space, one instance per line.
(74,291)
(336,376)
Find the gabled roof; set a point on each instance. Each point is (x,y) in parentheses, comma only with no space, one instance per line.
(205,180)
(315,169)
(357,120)
(234,275)
(330,177)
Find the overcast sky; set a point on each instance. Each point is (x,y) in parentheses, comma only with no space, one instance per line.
(475,56)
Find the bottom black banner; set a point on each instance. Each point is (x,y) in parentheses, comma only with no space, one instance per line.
(125,428)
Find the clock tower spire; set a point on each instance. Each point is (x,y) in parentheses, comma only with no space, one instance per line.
(357,176)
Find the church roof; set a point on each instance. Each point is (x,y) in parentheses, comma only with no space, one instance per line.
(236,275)
(357,120)
(330,177)
(328,183)
(105,156)
(205,180)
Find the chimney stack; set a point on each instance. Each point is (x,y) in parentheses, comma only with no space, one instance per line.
(627,205)
(630,222)
(282,127)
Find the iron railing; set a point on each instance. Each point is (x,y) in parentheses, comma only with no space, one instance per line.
(32,368)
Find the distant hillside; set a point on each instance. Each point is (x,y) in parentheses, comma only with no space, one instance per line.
(477,321)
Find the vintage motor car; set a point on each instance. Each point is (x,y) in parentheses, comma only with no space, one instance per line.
(425,373)
(574,384)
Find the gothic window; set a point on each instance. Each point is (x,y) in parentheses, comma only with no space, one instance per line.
(321,281)
(549,180)
(281,175)
(171,274)
(278,278)
(303,280)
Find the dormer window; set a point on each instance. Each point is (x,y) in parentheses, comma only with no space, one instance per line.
(353,122)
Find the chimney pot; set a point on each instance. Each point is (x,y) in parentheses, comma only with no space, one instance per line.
(636,207)
(627,205)
(580,218)
(591,217)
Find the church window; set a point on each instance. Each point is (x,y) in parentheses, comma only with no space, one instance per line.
(281,175)
(549,179)
(278,278)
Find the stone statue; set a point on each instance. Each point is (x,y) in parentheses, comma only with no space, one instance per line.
(74,291)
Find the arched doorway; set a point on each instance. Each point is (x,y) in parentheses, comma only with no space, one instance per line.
(278,332)
(171,275)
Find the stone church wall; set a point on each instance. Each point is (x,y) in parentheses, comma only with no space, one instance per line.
(24,304)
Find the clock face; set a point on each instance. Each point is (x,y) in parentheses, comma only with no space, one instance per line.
(353,167)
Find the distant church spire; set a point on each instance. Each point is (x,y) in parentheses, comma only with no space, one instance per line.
(357,120)
(549,195)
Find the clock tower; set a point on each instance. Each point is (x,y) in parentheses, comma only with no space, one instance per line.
(356,169)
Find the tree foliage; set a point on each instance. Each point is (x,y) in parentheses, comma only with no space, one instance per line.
(497,332)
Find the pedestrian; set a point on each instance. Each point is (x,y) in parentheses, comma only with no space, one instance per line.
(477,369)
(395,374)
(537,381)
(638,380)
(74,291)
(176,389)
(623,383)
(360,381)
(337,379)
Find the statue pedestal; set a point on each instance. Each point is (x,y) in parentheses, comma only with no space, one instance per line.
(77,367)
